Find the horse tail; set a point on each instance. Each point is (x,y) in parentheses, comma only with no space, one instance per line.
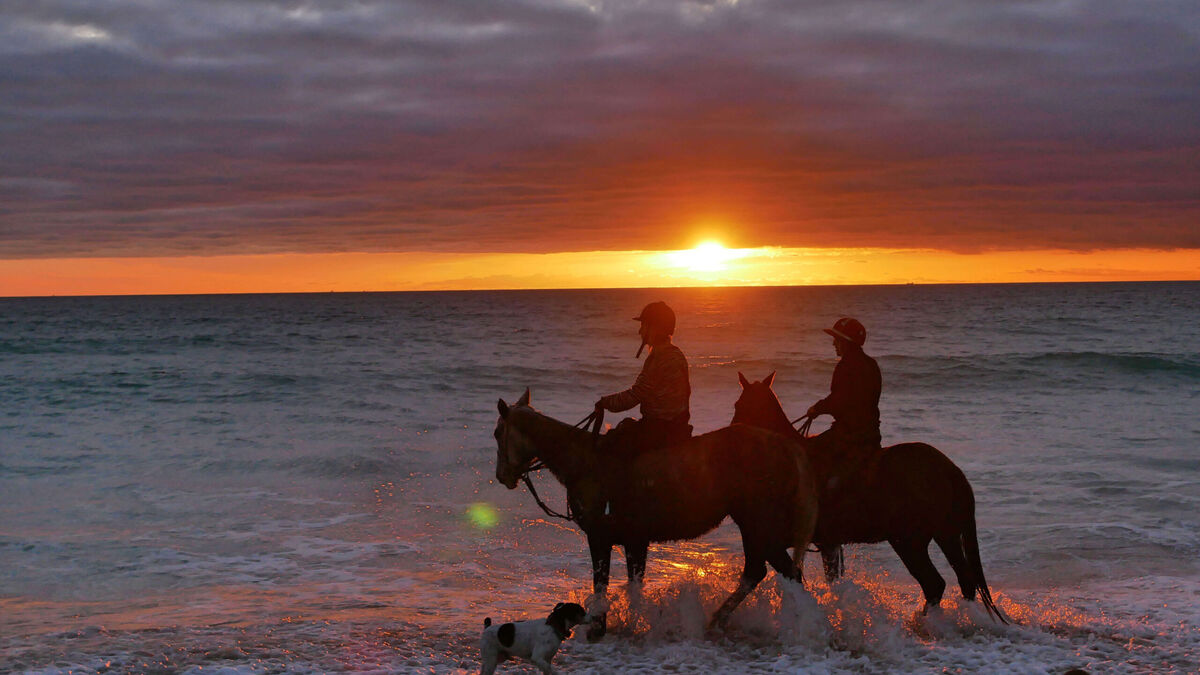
(970,541)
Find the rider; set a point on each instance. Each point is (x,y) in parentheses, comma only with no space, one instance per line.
(853,396)
(662,388)
(853,401)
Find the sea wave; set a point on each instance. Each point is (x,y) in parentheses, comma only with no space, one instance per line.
(254,450)
(1001,370)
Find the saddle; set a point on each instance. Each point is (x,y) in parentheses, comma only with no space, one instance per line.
(634,437)
(630,439)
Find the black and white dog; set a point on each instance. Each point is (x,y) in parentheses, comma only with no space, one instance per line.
(537,640)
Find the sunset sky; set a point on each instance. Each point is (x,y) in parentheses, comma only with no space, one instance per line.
(157,146)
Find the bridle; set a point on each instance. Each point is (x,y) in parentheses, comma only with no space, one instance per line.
(596,422)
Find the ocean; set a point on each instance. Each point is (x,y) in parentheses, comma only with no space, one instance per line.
(305,483)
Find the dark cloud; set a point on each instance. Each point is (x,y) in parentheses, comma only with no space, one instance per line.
(159,127)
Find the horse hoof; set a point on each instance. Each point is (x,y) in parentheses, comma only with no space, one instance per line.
(716,627)
(597,630)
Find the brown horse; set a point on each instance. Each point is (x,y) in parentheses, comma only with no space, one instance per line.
(757,477)
(911,494)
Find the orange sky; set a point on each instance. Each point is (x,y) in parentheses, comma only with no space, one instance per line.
(236,147)
(594,269)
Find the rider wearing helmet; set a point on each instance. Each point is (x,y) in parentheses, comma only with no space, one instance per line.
(854,392)
(853,401)
(662,388)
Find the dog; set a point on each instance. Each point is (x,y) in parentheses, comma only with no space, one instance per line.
(536,640)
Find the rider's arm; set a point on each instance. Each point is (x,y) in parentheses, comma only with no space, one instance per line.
(619,402)
(663,380)
(839,393)
(639,392)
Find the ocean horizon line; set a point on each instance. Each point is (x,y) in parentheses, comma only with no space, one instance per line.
(603,288)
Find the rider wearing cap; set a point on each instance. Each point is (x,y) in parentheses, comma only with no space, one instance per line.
(662,389)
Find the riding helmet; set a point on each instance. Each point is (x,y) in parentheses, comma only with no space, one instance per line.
(658,314)
(849,330)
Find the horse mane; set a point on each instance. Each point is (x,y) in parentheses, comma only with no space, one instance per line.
(569,443)
(544,424)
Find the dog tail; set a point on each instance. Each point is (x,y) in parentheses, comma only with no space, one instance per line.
(487,622)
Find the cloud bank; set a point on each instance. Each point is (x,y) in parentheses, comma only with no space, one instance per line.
(154,127)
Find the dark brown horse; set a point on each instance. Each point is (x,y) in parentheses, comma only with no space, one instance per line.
(757,477)
(911,494)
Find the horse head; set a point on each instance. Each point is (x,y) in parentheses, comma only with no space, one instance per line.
(514,452)
(759,406)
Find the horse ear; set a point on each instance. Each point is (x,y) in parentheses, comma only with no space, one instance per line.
(742,380)
(770,379)
(502,407)
(524,400)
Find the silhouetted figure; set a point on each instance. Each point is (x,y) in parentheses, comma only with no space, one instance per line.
(853,398)
(662,389)
(853,401)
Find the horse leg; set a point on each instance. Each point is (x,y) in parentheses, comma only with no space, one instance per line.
(635,566)
(834,562)
(635,563)
(915,556)
(601,560)
(785,566)
(951,545)
(753,572)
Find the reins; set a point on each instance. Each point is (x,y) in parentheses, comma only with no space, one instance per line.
(596,421)
(803,429)
(549,511)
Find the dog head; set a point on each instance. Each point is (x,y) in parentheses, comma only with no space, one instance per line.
(567,615)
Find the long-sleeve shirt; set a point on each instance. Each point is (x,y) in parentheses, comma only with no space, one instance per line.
(662,388)
(854,392)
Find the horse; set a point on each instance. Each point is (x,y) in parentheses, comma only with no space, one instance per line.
(911,495)
(757,477)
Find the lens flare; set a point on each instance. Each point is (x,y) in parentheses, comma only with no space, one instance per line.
(482,515)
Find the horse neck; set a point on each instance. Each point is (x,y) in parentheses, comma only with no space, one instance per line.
(564,449)
(779,421)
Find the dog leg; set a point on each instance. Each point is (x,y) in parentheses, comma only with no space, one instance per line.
(541,659)
(489,664)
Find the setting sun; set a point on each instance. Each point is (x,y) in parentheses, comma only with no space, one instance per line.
(709,256)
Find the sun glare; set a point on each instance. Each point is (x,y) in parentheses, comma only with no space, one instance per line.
(709,256)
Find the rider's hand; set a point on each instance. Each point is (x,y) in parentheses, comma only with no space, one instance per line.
(600,406)
(812,411)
